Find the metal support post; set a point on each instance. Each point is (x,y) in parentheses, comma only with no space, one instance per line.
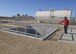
(36,33)
(25,30)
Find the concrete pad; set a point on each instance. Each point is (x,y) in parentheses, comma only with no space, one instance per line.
(70,37)
(67,37)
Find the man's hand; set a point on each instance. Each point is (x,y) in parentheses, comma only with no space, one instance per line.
(59,23)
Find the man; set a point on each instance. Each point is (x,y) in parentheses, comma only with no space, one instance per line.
(66,23)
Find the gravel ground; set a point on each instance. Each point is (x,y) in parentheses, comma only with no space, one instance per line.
(15,44)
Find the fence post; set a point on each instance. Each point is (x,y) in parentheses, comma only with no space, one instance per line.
(36,33)
(25,30)
(43,32)
(46,28)
(16,29)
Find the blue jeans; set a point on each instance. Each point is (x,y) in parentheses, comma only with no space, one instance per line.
(65,29)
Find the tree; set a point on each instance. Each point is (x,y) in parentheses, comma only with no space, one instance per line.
(23,15)
(26,15)
(13,16)
(18,14)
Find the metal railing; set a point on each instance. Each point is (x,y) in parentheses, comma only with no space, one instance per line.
(40,29)
(26,31)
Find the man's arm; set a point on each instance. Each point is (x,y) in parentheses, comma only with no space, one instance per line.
(61,22)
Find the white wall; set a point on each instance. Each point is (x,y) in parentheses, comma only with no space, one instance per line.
(43,14)
(58,14)
(62,13)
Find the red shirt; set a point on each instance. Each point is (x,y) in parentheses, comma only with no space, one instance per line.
(66,22)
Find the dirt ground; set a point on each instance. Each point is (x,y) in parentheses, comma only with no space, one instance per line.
(16,44)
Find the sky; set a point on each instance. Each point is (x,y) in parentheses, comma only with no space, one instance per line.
(30,7)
